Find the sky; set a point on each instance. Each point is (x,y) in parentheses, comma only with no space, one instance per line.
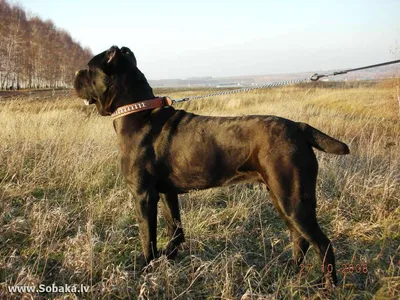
(181,39)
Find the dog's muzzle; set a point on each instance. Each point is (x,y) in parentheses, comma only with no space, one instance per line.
(78,86)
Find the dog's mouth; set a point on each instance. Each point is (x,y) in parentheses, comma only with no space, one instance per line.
(89,101)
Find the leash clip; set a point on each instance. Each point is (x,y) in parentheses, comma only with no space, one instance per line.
(316,77)
(178,100)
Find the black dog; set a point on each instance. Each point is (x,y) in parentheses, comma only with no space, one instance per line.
(165,152)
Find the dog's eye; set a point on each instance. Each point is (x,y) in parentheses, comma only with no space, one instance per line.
(94,82)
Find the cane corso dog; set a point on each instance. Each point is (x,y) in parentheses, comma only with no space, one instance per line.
(166,151)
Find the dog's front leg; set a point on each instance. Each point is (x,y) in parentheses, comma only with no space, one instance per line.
(170,211)
(146,214)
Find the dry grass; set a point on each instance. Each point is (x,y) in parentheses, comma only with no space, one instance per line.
(66,215)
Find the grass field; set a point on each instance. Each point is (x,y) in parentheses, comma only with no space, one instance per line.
(67,218)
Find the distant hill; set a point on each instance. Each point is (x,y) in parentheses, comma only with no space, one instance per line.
(370,74)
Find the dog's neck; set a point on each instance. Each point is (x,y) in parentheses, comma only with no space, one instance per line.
(136,90)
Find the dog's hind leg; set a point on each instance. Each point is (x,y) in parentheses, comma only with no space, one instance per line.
(293,182)
(306,223)
(300,244)
(170,211)
(305,229)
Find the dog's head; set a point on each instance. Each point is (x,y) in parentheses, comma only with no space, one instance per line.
(106,71)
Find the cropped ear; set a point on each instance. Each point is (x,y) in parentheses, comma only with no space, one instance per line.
(113,54)
(129,55)
(107,61)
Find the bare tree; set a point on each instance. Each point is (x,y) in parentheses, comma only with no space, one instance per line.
(34,53)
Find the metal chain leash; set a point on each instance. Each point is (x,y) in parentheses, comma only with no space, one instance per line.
(314,77)
(243,90)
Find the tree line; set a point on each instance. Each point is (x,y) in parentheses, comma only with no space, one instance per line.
(34,53)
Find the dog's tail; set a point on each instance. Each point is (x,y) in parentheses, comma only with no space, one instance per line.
(323,142)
